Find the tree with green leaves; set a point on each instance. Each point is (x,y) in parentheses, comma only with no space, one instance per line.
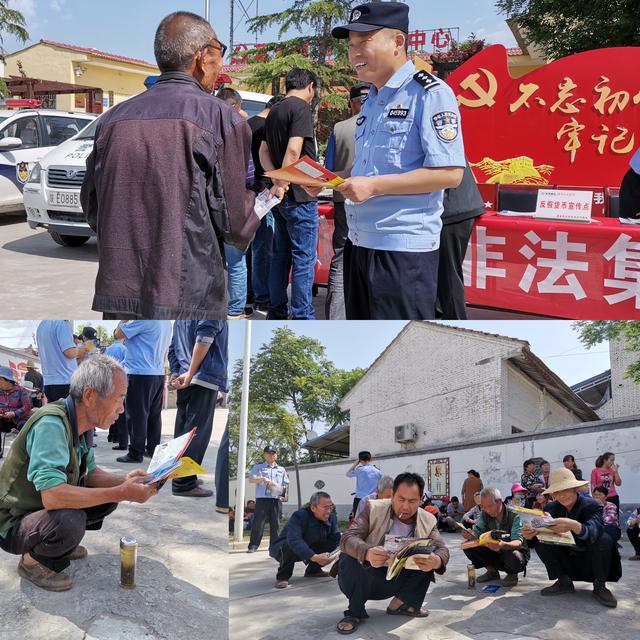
(293,388)
(315,51)
(563,27)
(593,332)
(12,22)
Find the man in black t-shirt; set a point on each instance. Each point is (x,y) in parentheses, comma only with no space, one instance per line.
(261,247)
(289,135)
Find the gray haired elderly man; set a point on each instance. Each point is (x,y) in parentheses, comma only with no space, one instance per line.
(51,490)
(165,186)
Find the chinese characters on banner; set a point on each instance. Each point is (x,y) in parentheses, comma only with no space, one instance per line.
(574,121)
(568,270)
(438,477)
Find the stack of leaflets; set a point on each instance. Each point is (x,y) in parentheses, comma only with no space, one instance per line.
(167,461)
(404,551)
(540,521)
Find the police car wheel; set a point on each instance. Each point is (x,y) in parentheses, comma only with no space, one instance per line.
(68,241)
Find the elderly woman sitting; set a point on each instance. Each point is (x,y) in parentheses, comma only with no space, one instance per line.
(15,402)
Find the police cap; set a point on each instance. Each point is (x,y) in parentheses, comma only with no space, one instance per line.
(373,16)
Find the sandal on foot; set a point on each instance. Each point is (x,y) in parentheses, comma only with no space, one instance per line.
(354,622)
(407,610)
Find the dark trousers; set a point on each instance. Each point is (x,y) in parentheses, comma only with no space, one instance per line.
(615,500)
(222,471)
(50,536)
(287,559)
(454,239)
(585,564)
(512,561)
(354,506)
(56,391)
(634,538)
(360,583)
(195,408)
(334,306)
(266,508)
(389,285)
(121,431)
(144,408)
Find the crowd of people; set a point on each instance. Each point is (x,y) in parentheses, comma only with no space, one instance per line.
(406,205)
(400,507)
(51,489)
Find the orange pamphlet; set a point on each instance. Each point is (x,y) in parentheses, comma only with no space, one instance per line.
(306,173)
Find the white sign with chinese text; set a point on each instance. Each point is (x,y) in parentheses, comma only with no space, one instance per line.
(574,206)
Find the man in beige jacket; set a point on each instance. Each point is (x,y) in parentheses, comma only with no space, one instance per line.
(363,570)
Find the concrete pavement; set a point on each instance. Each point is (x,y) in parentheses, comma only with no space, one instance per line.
(181,575)
(310,608)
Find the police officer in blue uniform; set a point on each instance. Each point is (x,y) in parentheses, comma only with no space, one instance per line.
(409,149)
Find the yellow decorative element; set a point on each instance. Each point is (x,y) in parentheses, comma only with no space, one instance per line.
(485,96)
(519,170)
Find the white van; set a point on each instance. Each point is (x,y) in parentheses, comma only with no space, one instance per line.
(52,192)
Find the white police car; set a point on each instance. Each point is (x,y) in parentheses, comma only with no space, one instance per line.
(52,193)
(26,136)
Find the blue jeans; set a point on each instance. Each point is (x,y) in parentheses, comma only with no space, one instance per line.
(261,251)
(295,249)
(237,280)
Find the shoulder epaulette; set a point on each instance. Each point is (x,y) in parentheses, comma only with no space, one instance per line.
(426,79)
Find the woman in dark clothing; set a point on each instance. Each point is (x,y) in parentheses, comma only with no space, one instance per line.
(570,463)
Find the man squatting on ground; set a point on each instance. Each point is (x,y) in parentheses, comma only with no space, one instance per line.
(51,490)
(309,536)
(362,573)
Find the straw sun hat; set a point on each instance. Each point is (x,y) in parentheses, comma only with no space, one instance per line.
(561,479)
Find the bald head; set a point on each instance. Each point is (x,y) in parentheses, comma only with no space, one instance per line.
(180,36)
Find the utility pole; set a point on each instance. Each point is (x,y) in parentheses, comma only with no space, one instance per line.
(231,29)
(206,10)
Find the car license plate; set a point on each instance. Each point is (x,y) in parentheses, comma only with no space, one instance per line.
(64,198)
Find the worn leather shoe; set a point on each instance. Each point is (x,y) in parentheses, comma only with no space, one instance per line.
(44,577)
(79,553)
(488,576)
(605,597)
(128,458)
(318,574)
(196,492)
(281,584)
(558,588)
(510,580)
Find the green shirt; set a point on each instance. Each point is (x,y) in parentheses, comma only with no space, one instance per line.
(49,453)
(486,523)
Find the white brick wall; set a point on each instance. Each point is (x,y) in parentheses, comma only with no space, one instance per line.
(625,394)
(448,384)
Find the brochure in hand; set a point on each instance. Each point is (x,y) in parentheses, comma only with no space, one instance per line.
(541,522)
(168,460)
(307,173)
(404,551)
(486,539)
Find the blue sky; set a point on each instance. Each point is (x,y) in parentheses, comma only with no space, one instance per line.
(127,27)
(358,344)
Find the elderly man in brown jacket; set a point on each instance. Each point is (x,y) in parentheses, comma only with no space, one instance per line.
(362,574)
(164,187)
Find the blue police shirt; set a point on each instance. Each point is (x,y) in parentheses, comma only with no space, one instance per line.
(147,344)
(367,476)
(276,474)
(117,351)
(53,337)
(404,126)
(635,162)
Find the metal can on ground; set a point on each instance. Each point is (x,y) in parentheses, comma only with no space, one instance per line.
(128,557)
(471,576)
